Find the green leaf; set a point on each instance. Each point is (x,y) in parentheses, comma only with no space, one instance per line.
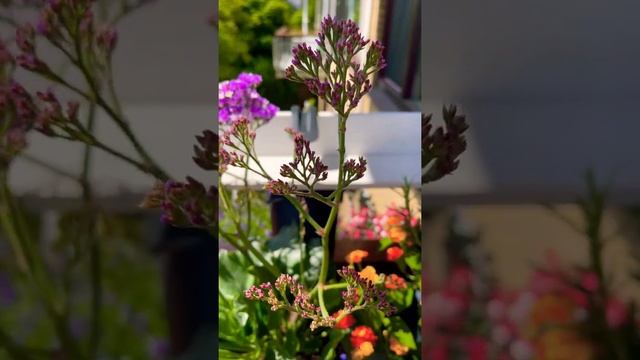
(329,352)
(401,332)
(413,261)
(234,277)
(285,238)
(385,242)
(402,299)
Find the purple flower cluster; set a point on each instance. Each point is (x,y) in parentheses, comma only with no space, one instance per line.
(206,153)
(20,111)
(354,170)
(279,187)
(288,285)
(442,147)
(371,294)
(306,167)
(239,98)
(68,25)
(330,72)
(185,203)
(236,139)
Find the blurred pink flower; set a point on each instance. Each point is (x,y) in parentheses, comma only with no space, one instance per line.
(590,281)
(617,312)
(477,348)
(439,350)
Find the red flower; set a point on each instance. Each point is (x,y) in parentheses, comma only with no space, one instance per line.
(346,322)
(394,282)
(394,253)
(362,334)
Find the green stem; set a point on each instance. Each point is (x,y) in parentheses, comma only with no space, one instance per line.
(22,241)
(295,202)
(52,168)
(148,166)
(335,286)
(301,244)
(95,252)
(326,256)
(246,243)
(247,200)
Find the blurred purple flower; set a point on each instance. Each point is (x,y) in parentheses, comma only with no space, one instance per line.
(158,349)
(239,98)
(7,291)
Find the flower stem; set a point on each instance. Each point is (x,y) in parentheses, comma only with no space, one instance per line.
(326,256)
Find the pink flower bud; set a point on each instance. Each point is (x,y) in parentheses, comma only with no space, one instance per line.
(107,39)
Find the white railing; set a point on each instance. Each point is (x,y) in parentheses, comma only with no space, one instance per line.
(389,141)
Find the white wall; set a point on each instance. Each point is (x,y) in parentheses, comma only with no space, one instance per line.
(550,89)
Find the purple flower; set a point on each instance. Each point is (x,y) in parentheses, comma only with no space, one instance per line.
(239,98)
(337,45)
(7,291)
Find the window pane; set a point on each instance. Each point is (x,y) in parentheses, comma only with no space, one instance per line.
(403,16)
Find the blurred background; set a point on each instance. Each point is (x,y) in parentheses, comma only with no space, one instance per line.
(132,287)
(531,245)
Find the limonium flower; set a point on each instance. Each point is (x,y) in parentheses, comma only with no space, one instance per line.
(331,72)
(277,296)
(239,98)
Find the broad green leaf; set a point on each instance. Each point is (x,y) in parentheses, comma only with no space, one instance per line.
(234,277)
(402,299)
(385,242)
(401,332)
(413,261)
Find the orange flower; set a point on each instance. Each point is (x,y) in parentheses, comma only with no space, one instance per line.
(356,256)
(361,335)
(363,351)
(344,323)
(369,273)
(564,344)
(395,219)
(397,347)
(394,282)
(394,253)
(397,234)
(552,310)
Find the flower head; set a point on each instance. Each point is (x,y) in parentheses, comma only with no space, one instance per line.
(397,347)
(362,334)
(239,98)
(442,146)
(184,203)
(363,351)
(207,154)
(330,71)
(356,256)
(286,286)
(372,295)
(369,273)
(394,253)
(346,322)
(394,282)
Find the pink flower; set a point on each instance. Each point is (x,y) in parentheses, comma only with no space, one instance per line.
(477,348)
(617,313)
(460,280)
(439,350)
(590,281)
(544,283)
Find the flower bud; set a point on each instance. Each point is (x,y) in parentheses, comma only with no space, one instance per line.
(107,40)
